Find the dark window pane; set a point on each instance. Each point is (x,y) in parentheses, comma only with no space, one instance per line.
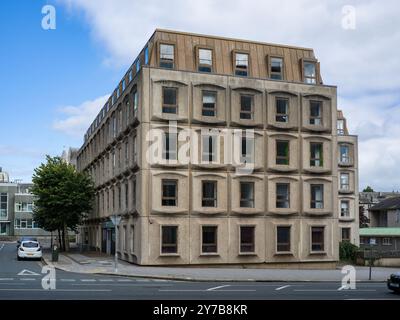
(316,159)
(317,196)
(247,239)
(283,239)
(209,103)
(166,56)
(241,63)
(282,152)
(247,194)
(282,108)
(317,239)
(169,239)
(169,192)
(276,68)
(316,113)
(282,195)
(209,236)
(209,198)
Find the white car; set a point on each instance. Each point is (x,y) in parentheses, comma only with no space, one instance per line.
(29,249)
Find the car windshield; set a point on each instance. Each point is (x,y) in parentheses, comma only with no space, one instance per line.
(30,244)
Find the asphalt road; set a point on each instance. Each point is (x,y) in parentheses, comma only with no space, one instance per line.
(17,284)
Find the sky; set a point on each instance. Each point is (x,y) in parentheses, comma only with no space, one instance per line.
(53,82)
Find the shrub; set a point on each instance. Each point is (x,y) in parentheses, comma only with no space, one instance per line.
(347,251)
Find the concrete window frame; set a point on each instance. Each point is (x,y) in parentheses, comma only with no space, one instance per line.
(247,253)
(284,225)
(203,253)
(177,240)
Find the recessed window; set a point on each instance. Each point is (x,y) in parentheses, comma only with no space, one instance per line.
(118,92)
(282,152)
(282,110)
(317,196)
(209,239)
(130,75)
(146,55)
(167,56)
(344,156)
(246,106)
(340,127)
(169,239)
(169,100)
(169,192)
(276,68)
(135,103)
(282,195)
(317,238)
(316,159)
(310,74)
(344,181)
(209,153)
(205,60)
(386,241)
(247,239)
(209,103)
(247,150)
(241,64)
(346,234)
(283,238)
(169,146)
(123,84)
(344,208)
(209,194)
(137,66)
(247,194)
(3,204)
(316,113)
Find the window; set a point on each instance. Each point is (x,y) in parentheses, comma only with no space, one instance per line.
(310,73)
(346,234)
(205,60)
(387,241)
(317,238)
(247,150)
(123,85)
(169,192)
(344,156)
(316,113)
(317,196)
(209,148)
(125,242)
(114,126)
(344,181)
(169,239)
(132,238)
(241,64)
(344,208)
(282,195)
(127,111)
(340,127)
(134,147)
(246,107)
(25,224)
(247,239)
(23,206)
(135,103)
(209,239)
(282,110)
(209,103)
(118,92)
(316,159)
(113,159)
(247,194)
(276,68)
(130,75)
(283,238)
(119,197)
(126,153)
(169,100)
(3,205)
(282,152)
(126,196)
(137,66)
(146,55)
(209,194)
(167,56)
(170,146)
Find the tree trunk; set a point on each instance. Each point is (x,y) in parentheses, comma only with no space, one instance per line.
(63,238)
(59,239)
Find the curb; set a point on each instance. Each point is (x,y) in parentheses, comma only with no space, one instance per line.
(202,279)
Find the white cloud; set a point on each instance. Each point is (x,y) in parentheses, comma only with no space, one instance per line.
(363,62)
(78,118)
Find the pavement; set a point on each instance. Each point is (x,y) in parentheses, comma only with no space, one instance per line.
(22,280)
(94,263)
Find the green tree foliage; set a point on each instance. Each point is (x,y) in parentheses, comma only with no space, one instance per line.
(347,251)
(63,197)
(368,189)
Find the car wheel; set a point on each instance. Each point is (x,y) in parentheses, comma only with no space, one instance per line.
(18,258)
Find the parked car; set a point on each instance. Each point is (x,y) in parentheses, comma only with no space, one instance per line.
(393,282)
(29,249)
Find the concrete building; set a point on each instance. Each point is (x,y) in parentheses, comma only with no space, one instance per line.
(16,209)
(370,199)
(222,151)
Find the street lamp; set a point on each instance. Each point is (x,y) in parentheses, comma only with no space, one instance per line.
(116,220)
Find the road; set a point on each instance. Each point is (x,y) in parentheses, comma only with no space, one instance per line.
(15,285)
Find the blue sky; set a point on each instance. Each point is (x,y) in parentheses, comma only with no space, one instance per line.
(53,82)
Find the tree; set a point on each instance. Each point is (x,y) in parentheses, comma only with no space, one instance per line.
(368,189)
(63,196)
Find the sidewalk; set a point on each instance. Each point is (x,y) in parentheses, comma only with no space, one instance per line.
(103,264)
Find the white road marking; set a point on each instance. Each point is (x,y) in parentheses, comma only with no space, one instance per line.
(143,280)
(124,280)
(41,290)
(67,280)
(6,279)
(219,287)
(106,280)
(2,246)
(335,290)
(26,272)
(88,280)
(283,287)
(27,279)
